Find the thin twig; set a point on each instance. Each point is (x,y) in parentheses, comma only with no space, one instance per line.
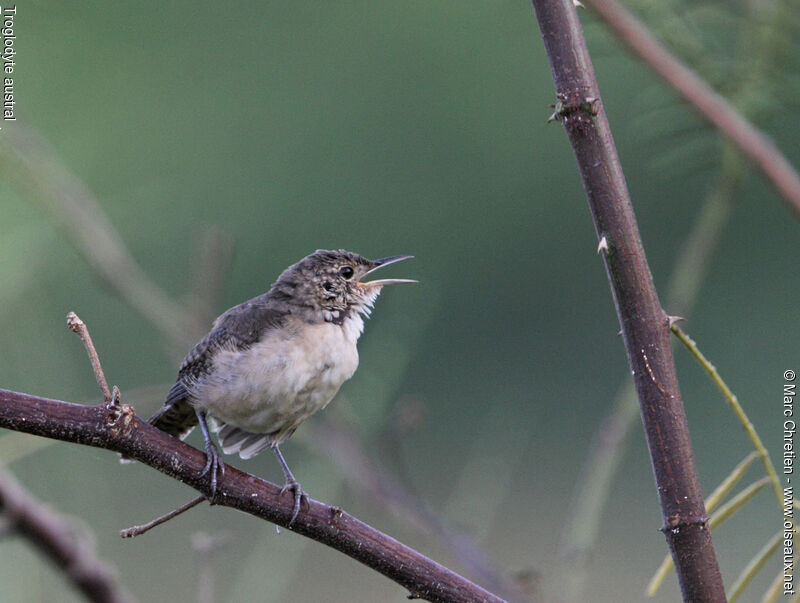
(754,566)
(138,530)
(721,491)
(733,402)
(774,589)
(76,325)
(712,106)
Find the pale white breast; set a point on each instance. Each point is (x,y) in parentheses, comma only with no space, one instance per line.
(276,384)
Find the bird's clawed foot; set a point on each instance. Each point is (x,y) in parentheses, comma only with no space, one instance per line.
(299,495)
(215,466)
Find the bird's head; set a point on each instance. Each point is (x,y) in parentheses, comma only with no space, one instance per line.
(330,283)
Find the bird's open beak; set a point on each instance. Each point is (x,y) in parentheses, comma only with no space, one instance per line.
(386,281)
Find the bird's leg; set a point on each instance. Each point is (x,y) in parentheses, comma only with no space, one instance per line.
(291,484)
(214,463)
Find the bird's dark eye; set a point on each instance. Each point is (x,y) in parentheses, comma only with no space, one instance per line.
(346,272)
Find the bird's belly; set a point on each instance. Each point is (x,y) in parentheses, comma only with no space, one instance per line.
(276,384)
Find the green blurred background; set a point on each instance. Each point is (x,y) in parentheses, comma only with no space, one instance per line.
(384,128)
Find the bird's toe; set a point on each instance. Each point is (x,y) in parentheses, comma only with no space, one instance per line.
(299,495)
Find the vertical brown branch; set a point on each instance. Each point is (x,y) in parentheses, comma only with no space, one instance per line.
(644,323)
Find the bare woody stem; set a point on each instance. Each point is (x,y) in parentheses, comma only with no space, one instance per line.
(645,326)
(118,429)
(77,326)
(146,527)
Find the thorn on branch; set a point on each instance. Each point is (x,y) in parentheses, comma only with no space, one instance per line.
(603,245)
(671,320)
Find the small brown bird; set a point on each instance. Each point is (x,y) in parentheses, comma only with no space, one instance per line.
(271,362)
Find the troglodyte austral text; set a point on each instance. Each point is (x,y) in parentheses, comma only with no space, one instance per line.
(271,362)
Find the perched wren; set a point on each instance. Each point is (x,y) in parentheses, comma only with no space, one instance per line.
(271,362)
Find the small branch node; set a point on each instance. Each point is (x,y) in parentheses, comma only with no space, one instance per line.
(336,513)
(120,416)
(674,523)
(575,108)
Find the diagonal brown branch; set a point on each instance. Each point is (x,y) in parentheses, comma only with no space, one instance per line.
(123,432)
(388,490)
(59,542)
(31,165)
(759,149)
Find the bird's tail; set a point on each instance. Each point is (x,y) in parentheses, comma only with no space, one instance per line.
(234,439)
(176,417)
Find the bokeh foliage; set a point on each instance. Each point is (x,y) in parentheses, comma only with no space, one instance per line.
(414,127)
